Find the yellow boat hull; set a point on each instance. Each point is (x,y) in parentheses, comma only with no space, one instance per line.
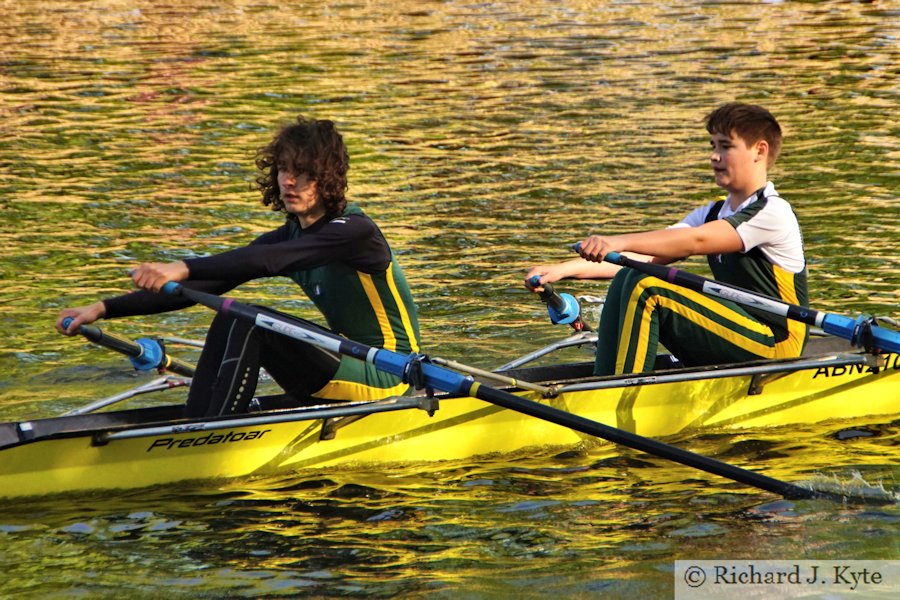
(461,428)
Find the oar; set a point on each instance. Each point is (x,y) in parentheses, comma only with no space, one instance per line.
(454,383)
(145,354)
(861,332)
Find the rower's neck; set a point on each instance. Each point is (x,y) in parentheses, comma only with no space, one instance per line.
(738,197)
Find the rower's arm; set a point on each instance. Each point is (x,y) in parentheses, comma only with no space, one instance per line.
(578,268)
(716,237)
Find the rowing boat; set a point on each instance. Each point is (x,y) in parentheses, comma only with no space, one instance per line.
(547,407)
(135,448)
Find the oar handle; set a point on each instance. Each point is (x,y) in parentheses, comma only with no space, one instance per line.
(98,336)
(549,296)
(563,308)
(145,353)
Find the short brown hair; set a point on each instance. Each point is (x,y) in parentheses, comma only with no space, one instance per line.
(749,121)
(309,146)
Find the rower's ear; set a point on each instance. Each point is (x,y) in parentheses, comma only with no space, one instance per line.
(762,151)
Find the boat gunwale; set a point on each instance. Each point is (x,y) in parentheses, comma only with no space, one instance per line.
(104,432)
(131,423)
(721,371)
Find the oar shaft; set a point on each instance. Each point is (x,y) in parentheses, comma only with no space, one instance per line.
(134,350)
(98,336)
(499,378)
(563,308)
(836,325)
(720,290)
(385,360)
(454,383)
(638,442)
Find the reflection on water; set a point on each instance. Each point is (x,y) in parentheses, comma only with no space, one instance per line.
(598,522)
(484,137)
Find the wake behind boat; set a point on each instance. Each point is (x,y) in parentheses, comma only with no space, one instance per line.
(124,449)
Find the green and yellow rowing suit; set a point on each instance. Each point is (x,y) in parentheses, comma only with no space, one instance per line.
(346,267)
(642,312)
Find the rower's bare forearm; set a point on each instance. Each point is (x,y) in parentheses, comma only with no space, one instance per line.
(582,269)
(666,245)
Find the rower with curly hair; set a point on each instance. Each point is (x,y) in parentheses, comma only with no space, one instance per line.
(337,255)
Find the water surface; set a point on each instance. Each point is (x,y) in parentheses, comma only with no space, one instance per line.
(484,138)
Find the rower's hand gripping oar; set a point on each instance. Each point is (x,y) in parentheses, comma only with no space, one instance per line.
(564,309)
(454,383)
(144,353)
(861,332)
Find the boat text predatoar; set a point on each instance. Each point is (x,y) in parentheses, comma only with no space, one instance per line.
(861,332)
(145,354)
(418,368)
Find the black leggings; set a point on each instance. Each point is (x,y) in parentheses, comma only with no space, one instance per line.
(235,349)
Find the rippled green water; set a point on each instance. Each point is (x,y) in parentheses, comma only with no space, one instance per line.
(483,137)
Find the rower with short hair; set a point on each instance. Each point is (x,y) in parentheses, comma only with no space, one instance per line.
(752,239)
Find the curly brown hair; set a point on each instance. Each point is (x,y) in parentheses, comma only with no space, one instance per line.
(749,121)
(310,146)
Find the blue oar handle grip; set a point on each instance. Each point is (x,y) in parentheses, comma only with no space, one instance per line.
(666,273)
(611,257)
(173,288)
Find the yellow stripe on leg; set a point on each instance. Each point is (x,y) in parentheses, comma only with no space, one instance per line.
(643,337)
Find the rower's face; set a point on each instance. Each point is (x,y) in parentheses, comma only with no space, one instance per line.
(732,160)
(299,194)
